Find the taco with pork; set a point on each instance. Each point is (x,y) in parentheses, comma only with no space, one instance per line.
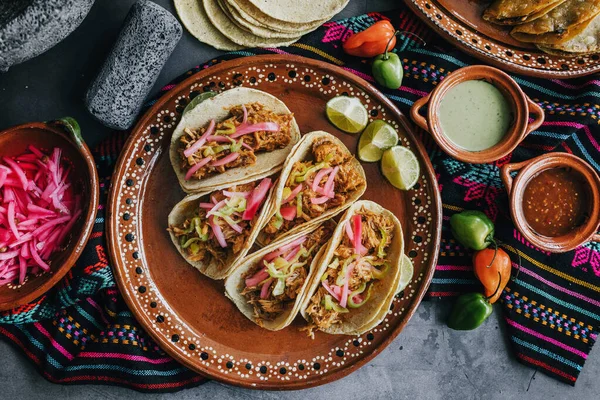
(232,137)
(214,230)
(268,286)
(357,277)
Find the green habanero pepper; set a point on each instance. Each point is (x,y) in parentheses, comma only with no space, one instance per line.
(469,311)
(387,69)
(473,229)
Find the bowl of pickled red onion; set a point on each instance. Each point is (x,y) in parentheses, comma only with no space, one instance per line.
(49,195)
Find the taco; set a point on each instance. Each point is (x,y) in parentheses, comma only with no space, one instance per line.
(560,25)
(514,12)
(213,230)
(585,42)
(357,277)
(320,179)
(232,137)
(269,285)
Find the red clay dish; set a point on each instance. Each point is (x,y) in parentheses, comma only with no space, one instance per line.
(47,135)
(521,106)
(526,170)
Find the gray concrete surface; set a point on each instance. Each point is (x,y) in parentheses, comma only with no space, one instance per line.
(427,360)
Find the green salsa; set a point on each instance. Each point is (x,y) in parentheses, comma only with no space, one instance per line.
(474,115)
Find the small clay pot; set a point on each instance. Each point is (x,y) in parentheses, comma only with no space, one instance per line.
(521,106)
(516,187)
(65,135)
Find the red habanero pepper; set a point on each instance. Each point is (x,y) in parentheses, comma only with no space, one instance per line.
(372,41)
(492,267)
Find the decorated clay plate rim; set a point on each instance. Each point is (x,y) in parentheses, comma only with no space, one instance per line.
(113,223)
(521,60)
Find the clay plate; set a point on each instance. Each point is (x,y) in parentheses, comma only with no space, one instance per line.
(461,23)
(46,136)
(187,313)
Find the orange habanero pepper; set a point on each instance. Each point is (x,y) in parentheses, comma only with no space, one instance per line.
(489,269)
(372,41)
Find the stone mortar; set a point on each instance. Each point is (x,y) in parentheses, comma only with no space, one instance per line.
(30,27)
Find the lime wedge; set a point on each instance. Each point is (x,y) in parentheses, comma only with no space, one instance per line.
(401,167)
(197,100)
(406,273)
(347,114)
(377,137)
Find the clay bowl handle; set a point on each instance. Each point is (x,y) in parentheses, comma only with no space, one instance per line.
(71,127)
(414,112)
(507,169)
(595,237)
(538,119)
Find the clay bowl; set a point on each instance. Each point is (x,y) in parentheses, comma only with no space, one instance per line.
(528,169)
(64,134)
(521,106)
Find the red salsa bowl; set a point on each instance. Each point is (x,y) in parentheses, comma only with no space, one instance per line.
(554,201)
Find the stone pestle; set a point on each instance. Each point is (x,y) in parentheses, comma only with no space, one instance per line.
(147,39)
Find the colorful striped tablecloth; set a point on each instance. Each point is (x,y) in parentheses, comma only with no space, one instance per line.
(82,332)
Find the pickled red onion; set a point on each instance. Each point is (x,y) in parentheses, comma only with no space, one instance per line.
(345,288)
(328,189)
(225,160)
(261,126)
(216,207)
(349,231)
(198,143)
(257,278)
(293,194)
(18,171)
(330,290)
(217,231)
(39,212)
(264,291)
(276,253)
(256,199)
(288,212)
(218,139)
(320,200)
(245,117)
(357,224)
(196,167)
(292,253)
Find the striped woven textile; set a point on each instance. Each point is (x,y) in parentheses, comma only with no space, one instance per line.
(82,332)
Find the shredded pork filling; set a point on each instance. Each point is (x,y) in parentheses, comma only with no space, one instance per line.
(209,250)
(377,233)
(269,308)
(346,181)
(255,142)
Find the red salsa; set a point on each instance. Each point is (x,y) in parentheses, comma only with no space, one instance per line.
(555,201)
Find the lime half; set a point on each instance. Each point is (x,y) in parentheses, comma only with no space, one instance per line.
(347,114)
(406,273)
(401,167)
(377,137)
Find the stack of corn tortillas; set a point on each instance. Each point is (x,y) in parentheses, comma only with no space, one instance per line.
(236,24)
